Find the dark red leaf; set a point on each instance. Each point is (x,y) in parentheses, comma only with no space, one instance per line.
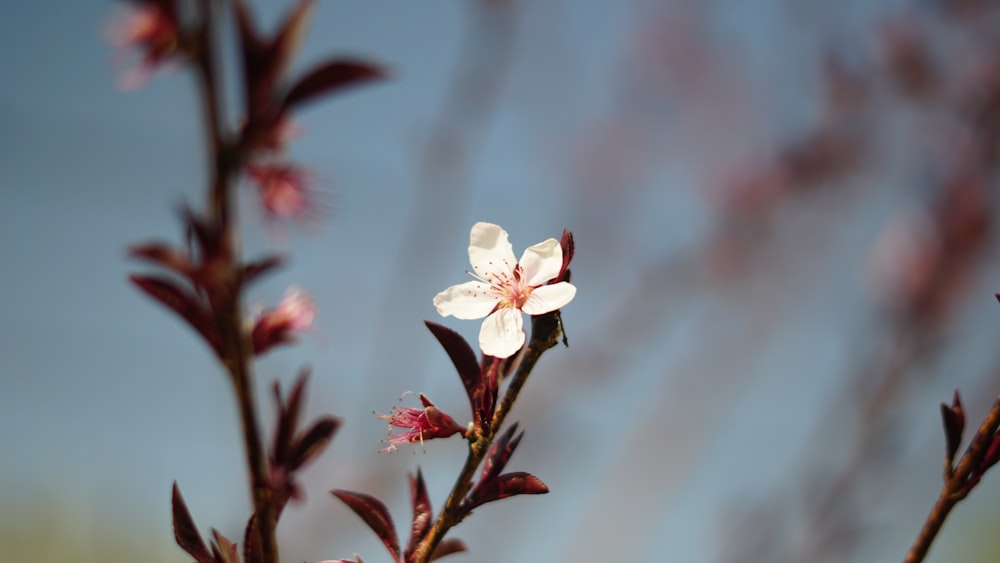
(198,229)
(188,306)
(329,77)
(290,35)
(953,418)
(447,547)
(313,441)
(568,250)
(500,453)
(163,255)
(226,551)
(992,455)
(423,515)
(463,358)
(506,485)
(251,542)
(288,417)
(375,514)
(185,532)
(254,270)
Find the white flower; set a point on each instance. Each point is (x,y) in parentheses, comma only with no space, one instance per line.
(504,287)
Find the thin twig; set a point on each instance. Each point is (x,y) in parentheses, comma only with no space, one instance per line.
(956,487)
(545,333)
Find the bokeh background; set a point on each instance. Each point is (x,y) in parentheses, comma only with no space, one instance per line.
(784,221)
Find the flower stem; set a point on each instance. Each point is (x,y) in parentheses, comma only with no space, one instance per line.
(226,299)
(545,332)
(957,486)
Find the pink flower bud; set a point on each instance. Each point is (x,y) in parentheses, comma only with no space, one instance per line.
(418,425)
(151,29)
(294,314)
(283,188)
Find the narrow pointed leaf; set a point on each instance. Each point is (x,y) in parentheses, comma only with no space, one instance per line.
(329,77)
(254,270)
(313,441)
(288,417)
(290,35)
(462,356)
(251,542)
(375,514)
(447,547)
(226,549)
(500,453)
(200,231)
(423,515)
(163,255)
(507,485)
(180,301)
(568,250)
(185,532)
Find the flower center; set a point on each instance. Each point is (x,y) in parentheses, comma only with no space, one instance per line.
(512,289)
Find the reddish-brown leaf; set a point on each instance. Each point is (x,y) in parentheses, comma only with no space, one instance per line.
(251,542)
(422,513)
(500,453)
(463,358)
(288,417)
(313,441)
(224,549)
(185,304)
(163,255)
(254,270)
(568,250)
(953,418)
(185,532)
(506,485)
(375,514)
(447,547)
(332,76)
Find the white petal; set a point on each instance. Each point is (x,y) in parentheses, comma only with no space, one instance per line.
(469,300)
(490,251)
(541,262)
(549,298)
(501,335)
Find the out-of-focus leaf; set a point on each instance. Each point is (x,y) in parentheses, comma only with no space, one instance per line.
(447,547)
(953,418)
(288,416)
(313,441)
(254,270)
(251,542)
(185,304)
(224,549)
(375,514)
(163,255)
(291,34)
(204,235)
(185,532)
(330,77)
